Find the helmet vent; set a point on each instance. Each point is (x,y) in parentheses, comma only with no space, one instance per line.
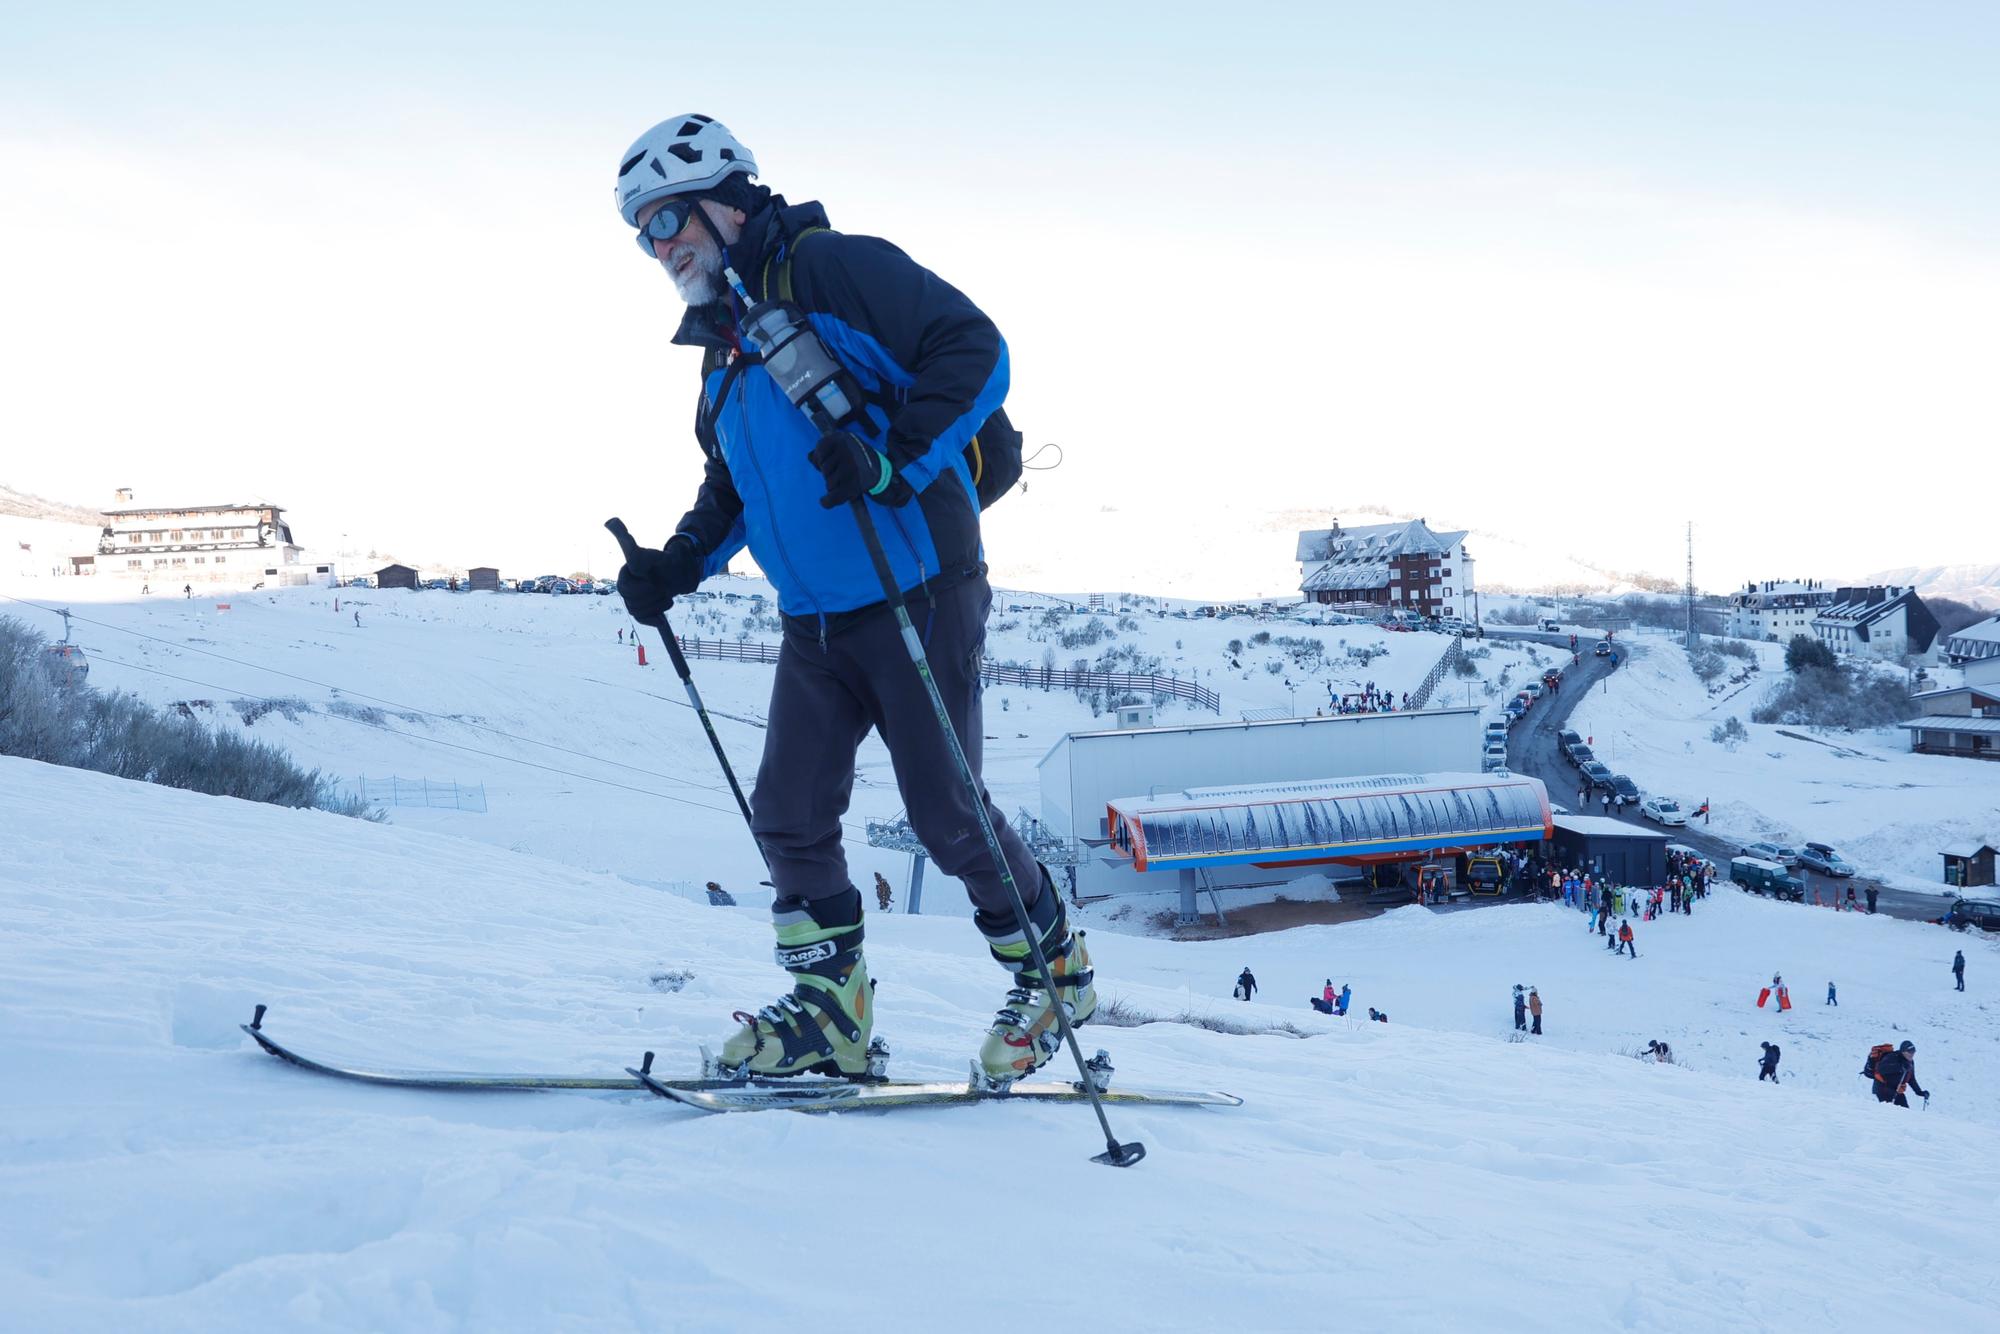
(692,125)
(727,154)
(658,170)
(684,153)
(631,163)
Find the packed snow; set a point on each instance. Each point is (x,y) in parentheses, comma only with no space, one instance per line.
(158,1171)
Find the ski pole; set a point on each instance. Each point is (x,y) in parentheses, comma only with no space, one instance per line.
(630,548)
(1115,1154)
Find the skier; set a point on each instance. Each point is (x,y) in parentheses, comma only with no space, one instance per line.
(883,896)
(1340,1005)
(843,668)
(1832,999)
(1625,939)
(357,620)
(1895,1071)
(1535,1009)
(1958,968)
(1246,984)
(1767,1066)
(1520,1009)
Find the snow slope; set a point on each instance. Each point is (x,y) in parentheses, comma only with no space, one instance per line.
(589,759)
(1888,811)
(158,1173)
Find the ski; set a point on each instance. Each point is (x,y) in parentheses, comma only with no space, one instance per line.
(449,1079)
(835,1095)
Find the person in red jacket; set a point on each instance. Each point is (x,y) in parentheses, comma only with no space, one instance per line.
(1625,938)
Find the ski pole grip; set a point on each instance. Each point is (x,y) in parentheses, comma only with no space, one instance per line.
(626,543)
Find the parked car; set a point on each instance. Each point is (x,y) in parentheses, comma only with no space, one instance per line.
(1516,707)
(1784,854)
(1580,755)
(1762,876)
(1552,678)
(1625,787)
(1663,810)
(1568,737)
(1603,649)
(1822,858)
(1534,690)
(1549,626)
(1599,777)
(1982,913)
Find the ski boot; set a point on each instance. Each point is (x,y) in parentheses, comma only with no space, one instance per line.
(822,1027)
(1025,1033)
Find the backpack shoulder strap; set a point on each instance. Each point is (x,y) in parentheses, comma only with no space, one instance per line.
(782,261)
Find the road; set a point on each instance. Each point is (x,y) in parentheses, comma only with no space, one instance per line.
(1531,749)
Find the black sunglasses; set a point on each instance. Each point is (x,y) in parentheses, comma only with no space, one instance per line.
(671,219)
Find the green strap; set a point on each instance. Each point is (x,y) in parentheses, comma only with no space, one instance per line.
(785,265)
(888,476)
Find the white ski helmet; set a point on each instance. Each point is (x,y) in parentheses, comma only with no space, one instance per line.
(679,156)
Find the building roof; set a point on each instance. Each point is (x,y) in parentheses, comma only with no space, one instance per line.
(1603,826)
(1374,542)
(1859,608)
(141,510)
(1967,851)
(1948,723)
(1334,719)
(1379,815)
(1978,640)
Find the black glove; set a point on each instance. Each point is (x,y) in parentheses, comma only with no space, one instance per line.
(853,470)
(650,581)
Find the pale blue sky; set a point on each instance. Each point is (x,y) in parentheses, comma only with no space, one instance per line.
(1691,243)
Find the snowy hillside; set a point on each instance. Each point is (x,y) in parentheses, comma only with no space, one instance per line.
(1977,584)
(588,759)
(1887,810)
(158,1172)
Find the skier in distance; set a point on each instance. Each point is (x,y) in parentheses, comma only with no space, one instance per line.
(934,370)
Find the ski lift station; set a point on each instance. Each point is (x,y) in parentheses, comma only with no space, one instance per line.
(1233,805)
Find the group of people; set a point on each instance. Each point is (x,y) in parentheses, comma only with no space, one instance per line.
(1367,700)
(1525,1007)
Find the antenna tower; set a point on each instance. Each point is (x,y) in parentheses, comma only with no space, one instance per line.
(1690,586)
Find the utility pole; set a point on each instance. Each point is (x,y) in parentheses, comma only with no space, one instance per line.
(1690,585)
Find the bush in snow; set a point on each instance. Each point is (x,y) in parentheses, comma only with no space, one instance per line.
(1730,733)
(1814,696)
(1805,651)
(1464,666)
(1707,663)
(119,735)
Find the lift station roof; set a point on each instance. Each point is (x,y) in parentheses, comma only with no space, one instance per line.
(1375,818)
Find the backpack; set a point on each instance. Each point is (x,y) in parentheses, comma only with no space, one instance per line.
(1875,1055)
(993,455)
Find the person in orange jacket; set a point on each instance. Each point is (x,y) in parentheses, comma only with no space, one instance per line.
(1535,1009)
(1625,938)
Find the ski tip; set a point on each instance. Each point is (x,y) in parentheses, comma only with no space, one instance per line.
(1120,1155)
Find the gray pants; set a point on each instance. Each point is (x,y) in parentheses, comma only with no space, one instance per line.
(823,703)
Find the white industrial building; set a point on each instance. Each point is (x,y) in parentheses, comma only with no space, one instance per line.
(1085,771)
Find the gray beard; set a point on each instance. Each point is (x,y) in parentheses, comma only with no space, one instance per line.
(703,284)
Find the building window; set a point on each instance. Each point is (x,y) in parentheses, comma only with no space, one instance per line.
(179,561)
(201,560)
(177,534)
(159,560)
(1447,591)
(220,559)
(133,538)
(135,565)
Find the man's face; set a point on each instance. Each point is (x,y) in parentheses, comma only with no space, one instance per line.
(691,257)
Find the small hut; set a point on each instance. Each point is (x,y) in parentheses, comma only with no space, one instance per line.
(483,579)
(396,576)
(1969,865)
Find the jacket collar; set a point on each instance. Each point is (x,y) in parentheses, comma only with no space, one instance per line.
(766,233)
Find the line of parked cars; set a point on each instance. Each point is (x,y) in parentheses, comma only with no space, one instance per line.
(555,583)
(1819,857)
(1597,775)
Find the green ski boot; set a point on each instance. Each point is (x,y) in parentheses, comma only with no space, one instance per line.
(822,1027)
(1025,1033)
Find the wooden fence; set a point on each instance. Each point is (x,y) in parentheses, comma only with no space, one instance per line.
(1040,678)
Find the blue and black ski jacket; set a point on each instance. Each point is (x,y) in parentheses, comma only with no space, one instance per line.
(934,369)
